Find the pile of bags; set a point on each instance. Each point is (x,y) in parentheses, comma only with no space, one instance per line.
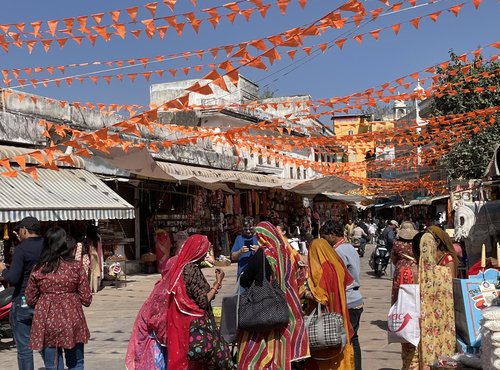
(490,338)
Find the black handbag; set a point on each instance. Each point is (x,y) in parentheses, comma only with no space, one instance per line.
(228,326)
(262,308)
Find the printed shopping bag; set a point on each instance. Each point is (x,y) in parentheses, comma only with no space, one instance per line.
(404,316)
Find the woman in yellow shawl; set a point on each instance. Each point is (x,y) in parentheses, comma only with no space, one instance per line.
(437,264)
(327,281)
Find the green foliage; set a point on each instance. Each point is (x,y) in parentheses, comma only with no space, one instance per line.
(469,156)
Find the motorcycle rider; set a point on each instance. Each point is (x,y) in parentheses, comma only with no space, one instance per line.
(389,234)
(359,233)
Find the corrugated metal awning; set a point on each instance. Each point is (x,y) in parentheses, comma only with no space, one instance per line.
(7,151)
(67,194)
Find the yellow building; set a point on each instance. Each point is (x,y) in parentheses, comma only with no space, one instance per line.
(359,151)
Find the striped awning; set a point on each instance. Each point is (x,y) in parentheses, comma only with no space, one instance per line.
(10,152)
(67,194)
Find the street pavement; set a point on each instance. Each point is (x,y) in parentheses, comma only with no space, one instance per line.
(113,310)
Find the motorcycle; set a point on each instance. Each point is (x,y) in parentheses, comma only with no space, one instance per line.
(5,306)
(379,260)
(359,244)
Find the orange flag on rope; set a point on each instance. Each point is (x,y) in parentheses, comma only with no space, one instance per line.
(132,12)
(375,33)
(263,10)
(476,3)
(456,9)
(434,16)
(32,171)
(152,8)
(115,15)
(358,38)
(415,22)
(283,4)
(340,43)
(170,4)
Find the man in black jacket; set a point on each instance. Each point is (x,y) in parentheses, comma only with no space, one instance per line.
(26,256)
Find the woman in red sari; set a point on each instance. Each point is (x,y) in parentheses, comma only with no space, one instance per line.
(179,301)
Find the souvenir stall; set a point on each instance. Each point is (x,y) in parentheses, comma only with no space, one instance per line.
(330,209)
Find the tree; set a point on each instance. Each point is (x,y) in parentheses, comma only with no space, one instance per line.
(468,156)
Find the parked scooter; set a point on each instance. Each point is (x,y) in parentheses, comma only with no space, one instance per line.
(359,244)
(379,260)
(5,306)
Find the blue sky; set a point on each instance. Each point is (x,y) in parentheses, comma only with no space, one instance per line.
(334,73)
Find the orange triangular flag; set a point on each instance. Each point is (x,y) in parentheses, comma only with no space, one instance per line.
(120,29)
(375,13)
(476,3)
(456,9)
(375,33)
(231,17)
(132,12)
(340,43)
(358,38)
(136,33)
(115,15)
(152,8)
(282,5)
(62,42)
(396,27)
(32,172)
(52,26)
(21,160)
(263,10)
(291,54)
(36,28)
(132,76)
(170,4)
(434,16)
(302,3)
(97,17)
(20,27)
(46,44)
(415,22)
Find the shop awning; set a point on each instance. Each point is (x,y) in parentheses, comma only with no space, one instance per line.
(7,151)
(140,162)
(346,198)
(493,168)
(67,194)
(427,201)
(320,185)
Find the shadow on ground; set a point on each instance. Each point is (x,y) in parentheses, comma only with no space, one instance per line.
(382,324)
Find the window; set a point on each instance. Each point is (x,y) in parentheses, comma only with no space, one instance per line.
(291,172)
(305,174)
(350,132)
(298,173)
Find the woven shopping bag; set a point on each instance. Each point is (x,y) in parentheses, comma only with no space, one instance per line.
(325,329)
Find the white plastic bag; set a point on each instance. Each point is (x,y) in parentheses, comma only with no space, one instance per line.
(404,316)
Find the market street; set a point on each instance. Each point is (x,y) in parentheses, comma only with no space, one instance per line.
(112,313)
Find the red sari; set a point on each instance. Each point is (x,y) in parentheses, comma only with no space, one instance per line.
(166,315)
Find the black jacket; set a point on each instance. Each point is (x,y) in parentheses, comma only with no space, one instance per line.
(26,256)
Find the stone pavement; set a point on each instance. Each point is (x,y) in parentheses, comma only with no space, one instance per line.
(112,313)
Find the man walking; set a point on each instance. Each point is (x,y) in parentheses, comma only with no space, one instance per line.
(334,234)
(26,256)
